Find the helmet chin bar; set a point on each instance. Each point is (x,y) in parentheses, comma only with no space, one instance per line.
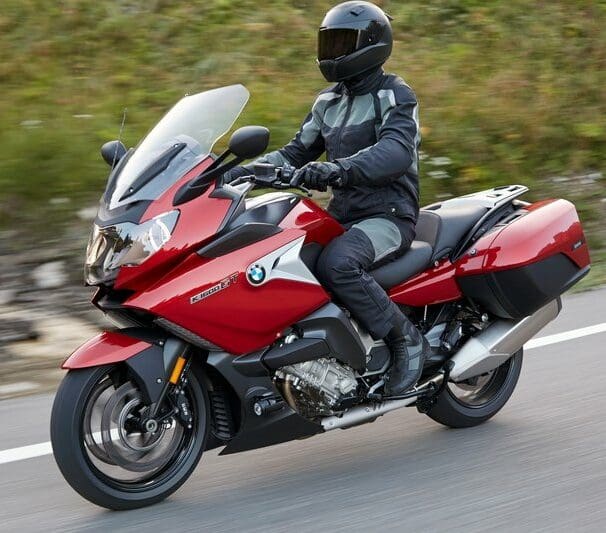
(349,66)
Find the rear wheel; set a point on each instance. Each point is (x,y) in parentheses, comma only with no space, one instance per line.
(109,448)
(473,401)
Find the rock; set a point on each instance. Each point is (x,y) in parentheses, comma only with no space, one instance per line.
(59,201)
(49,275)
(13,330)
(438,174)
(59,336)
(4,355)
(88,213)
(13,389)
(31,123)
(439,161)
(7,296)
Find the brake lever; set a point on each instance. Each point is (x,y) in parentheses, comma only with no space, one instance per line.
(242,179)
(307,192)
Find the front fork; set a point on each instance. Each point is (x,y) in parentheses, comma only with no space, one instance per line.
(174,391)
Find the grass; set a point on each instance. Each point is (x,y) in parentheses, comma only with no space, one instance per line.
(510,91)
(597,275)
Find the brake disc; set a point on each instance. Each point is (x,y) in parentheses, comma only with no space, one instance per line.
(96,448)
(120,443)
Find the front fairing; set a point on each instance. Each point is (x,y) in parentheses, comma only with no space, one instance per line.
(177,149)
(199,221)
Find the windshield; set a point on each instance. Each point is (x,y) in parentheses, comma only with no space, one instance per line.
(184,136)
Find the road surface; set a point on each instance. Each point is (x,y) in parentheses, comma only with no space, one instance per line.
(539,465)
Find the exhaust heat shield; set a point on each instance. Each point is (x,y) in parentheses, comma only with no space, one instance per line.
(499,341)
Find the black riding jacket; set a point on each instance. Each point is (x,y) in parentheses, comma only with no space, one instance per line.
(371,130)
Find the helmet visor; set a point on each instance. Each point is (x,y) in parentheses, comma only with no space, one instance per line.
(336,43)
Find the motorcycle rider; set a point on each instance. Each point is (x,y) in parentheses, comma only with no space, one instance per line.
(367,123)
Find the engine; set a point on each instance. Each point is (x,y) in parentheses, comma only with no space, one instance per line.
(315,388)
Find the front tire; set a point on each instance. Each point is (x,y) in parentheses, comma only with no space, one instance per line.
(474,401)
(102,450)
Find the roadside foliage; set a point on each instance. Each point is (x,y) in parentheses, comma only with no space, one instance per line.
(510,91)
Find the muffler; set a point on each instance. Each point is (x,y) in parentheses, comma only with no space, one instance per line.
(499,341)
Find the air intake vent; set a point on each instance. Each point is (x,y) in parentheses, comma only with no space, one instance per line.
(223,427)
(186,335)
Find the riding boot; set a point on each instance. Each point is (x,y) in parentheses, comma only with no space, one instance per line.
(409,349)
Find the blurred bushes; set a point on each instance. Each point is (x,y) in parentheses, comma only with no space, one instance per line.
(511,91)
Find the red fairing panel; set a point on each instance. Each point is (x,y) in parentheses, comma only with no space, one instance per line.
(104,349)
(438,284)
(234,315)
(315,221)
(195,225)
(433,286)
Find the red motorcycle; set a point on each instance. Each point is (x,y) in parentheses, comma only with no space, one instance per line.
(226,338)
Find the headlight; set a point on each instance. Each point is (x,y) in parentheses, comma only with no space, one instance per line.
(112,247)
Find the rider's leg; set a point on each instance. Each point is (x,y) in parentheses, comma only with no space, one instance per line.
(343,268)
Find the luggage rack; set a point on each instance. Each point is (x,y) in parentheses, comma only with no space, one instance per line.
(492,198)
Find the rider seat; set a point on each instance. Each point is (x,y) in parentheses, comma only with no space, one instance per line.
(439,229)
(444,225)
(416,259)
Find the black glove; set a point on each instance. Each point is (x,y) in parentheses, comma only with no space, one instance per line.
(235,173)
(319,175)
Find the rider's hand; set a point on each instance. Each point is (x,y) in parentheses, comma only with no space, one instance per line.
(319,175)
(235,173)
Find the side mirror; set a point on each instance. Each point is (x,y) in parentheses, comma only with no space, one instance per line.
(245,143)
(112,152)
(249,142)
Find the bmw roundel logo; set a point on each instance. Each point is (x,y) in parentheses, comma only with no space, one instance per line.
(256,274)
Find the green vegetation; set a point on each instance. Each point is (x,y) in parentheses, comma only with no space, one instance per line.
(511,91)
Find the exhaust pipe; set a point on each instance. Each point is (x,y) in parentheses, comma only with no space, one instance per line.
(499,341)
(364,413)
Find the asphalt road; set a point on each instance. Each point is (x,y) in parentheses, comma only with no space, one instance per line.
(539,465)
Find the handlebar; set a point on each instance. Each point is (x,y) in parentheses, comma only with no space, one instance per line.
(268,175)
(295,180)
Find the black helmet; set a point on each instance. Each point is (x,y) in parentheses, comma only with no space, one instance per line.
(354,37)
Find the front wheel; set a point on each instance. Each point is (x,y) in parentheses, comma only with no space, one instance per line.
(109,448)
(475,400)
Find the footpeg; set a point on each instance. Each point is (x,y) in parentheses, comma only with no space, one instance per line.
(427,392)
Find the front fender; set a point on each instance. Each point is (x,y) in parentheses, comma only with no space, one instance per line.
(107,348)
(149,354)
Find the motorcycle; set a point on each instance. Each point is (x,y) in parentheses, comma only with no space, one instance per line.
(225,338)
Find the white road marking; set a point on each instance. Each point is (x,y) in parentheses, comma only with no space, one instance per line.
(565,336)
(44,448)
(25,452)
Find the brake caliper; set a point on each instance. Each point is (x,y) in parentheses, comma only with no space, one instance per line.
(184,411)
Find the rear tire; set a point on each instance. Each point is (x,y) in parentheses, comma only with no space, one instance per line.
(95,468)
(481,398)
